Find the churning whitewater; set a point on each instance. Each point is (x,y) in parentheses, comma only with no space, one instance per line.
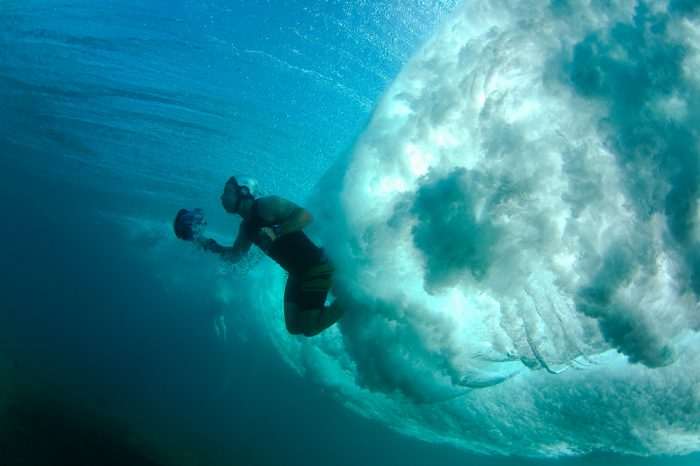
(521,236)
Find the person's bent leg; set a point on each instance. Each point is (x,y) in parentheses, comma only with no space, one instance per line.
(304,308)
(291,308)
(315,321)
(291,319)
(329,316)
(310,322)
(301,321)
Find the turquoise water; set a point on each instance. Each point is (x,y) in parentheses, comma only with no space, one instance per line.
(510,194)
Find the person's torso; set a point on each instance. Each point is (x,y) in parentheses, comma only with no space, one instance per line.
(294,252)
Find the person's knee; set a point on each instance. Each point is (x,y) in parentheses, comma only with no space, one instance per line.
(306,330)
(294,329)
(311,332)
(301,321)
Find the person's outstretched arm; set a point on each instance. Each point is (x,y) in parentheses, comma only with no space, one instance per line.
(235,253)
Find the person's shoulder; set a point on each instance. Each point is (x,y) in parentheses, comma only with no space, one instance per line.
(271,207)
(273,202)
(272,198)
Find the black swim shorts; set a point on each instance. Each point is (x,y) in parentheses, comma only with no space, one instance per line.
(309,290)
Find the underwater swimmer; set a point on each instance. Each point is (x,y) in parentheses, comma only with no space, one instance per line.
(275,225)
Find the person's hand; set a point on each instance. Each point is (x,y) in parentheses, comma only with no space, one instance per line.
(189,224)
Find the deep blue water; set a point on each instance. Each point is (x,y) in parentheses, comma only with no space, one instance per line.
(114,116)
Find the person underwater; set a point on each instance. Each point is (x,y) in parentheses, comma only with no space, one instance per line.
(275,225)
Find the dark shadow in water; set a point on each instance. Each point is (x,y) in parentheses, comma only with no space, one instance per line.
(47,433)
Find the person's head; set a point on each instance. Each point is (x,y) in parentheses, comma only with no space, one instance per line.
(237,190)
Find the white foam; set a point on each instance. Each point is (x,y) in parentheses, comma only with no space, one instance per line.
(505,291)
